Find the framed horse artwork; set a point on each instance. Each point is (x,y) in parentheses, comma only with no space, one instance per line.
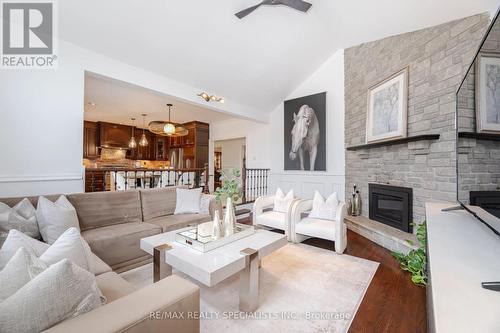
(305,133)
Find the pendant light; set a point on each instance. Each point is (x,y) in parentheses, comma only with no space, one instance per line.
(168,128)
(143,141)
(132,143)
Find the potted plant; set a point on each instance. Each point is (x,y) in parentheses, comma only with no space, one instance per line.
(415,261)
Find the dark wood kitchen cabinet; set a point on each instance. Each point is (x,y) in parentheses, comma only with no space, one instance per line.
(161,148)
(114,135)
(195,144)
(90,140)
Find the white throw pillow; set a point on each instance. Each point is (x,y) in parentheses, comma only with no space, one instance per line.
(282,201)
(324,209)
(62,291)
(15,240)
(21,217)
(70,245)
(205,203)
(21,269)
(187,201)
(54,218)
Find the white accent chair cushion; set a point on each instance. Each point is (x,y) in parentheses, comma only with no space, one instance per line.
(276,220)
(23,267)
(281,201)
(314,227)
(62,291)
(324,209)
(187,201)
(21,217)
(54,218)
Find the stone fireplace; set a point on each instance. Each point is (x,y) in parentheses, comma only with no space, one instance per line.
(437,59)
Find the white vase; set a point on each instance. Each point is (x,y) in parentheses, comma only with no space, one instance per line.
(217,228)
(229,218)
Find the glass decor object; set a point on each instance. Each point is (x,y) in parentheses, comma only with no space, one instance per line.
(132,142)
(194,240)
(143,141)
(229,218)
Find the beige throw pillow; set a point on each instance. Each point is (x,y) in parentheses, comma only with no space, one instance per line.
(54,218)
(62,291)
(21,217)
(15,240)
(23,267)
(188,201)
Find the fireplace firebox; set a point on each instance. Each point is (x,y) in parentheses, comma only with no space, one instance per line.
(488,200)
(391,205)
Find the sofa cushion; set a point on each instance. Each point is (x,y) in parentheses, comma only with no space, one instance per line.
(113,286)
(158,202)
(100,209)
(98,266)
(118,243)
(174,222)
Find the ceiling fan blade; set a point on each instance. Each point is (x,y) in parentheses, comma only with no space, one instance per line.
(297,4)
(247,11)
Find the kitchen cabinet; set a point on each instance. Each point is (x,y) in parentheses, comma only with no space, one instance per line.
(161,148)
(195,145)
(114,135)
(90,140)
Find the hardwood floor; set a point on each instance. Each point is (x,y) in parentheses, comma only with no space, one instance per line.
(392,302)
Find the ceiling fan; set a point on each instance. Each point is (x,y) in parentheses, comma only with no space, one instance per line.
(295,4)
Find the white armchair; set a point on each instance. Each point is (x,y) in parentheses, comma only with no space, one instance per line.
(272,219)
(302,228)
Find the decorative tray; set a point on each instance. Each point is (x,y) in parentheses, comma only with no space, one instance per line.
(193,239)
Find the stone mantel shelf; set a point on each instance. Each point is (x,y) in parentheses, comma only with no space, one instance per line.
(479,136)
(396,142)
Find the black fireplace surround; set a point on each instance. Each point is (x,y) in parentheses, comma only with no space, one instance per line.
(391,205)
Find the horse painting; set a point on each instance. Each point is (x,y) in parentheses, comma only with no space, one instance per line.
(305,136)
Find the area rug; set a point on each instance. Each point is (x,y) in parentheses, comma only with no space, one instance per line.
(302,289)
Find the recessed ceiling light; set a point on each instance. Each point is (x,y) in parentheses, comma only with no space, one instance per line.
(92,104)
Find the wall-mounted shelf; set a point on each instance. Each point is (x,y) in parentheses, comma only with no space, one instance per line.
(396,142)
(479,136)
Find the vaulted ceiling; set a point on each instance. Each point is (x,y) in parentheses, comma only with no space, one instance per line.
(256,61)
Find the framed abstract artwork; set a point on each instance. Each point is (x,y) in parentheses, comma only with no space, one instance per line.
(487,93)
(388,108)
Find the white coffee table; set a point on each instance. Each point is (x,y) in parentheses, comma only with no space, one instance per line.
(241,256)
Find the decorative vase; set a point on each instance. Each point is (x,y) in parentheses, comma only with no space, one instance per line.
(229,218)
(349,207)
(356,203)
(217,228)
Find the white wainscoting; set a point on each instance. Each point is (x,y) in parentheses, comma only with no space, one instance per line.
(304,184)
(32,185)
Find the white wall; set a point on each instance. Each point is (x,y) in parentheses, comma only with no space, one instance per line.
(41,119)
(265,142)
(232,153)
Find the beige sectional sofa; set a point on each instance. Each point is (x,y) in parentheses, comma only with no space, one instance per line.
(113,224)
